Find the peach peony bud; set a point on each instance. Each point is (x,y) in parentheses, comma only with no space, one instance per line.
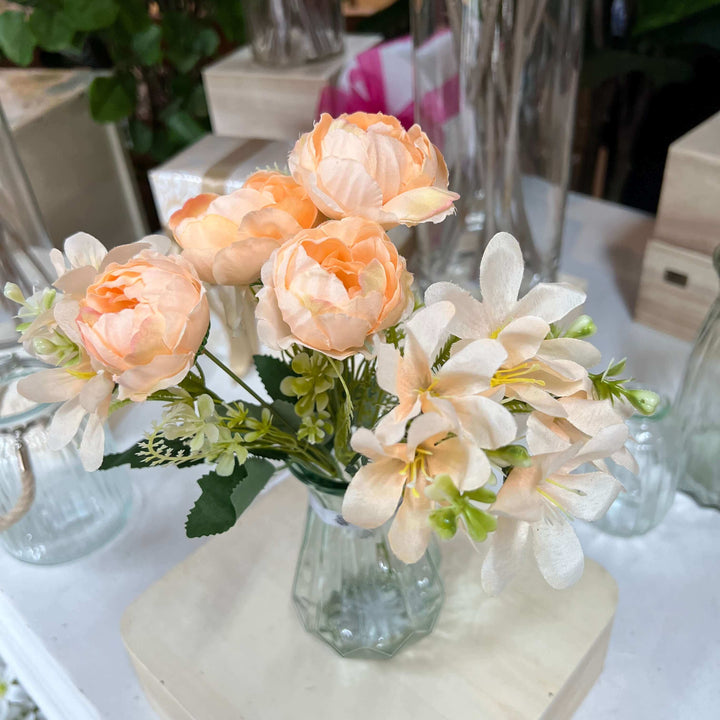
(143,321)
(370,166)
(331,287)
(228,238)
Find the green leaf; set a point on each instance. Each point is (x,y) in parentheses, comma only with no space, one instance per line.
(269,453)
(185,127)
(272,372)
(128,457)
(228,16)
(91,15)
(258,474)
(653,14)
(134,16)
(141,136)
(16,39)
(286,411)
(206,41)
(343,425)
(214,511)
(197,103)
(146,45)
(112,98)
(51,29)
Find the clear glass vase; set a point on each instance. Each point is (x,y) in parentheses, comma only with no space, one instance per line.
(495,88)
(73,512)
(352,592)
(292,32)
(698,410)
(647,496)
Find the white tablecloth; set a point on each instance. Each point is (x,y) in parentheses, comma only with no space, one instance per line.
(59,626)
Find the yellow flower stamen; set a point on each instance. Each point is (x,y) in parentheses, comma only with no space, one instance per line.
(81,375)
(517,374)
(416,467)
(552,500)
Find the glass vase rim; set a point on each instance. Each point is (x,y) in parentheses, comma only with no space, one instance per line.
(12,368)
(315,481)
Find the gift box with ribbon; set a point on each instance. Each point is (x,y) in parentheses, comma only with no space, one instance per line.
(212,165)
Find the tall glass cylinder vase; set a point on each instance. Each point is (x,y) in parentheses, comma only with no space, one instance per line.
(495,88)
(698,410)
(292,32)
(351,591)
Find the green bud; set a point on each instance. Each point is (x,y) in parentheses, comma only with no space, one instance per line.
(581,327)
(14,293)
(478,522)
(444,522)
(515,455)
(43,346)
(644,401)
(48,298)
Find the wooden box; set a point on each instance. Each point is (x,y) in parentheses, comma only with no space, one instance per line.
(689,210)
(213,164)
(78,169)
(218,639)
(250,100)
(677,287)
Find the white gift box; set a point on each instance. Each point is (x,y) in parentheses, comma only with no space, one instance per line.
(212,165)
(250,100)
(78,168)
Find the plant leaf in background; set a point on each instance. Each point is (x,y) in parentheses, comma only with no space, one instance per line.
(52,29)
(654,14)
(91,14)
(16,38)
(112,98)
(146,45)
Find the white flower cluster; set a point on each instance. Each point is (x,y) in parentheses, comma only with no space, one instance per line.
(489,391)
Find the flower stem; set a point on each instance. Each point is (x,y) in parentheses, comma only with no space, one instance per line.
(238,380)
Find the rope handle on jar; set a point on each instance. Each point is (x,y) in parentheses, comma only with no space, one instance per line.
(27,480)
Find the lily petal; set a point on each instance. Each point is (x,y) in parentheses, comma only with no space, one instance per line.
(373,494)
(501,273)
(558,552)
(502,562)
(410,531)
(550,301)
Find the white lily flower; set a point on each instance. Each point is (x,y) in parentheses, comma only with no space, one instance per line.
(501,274)
(537,368)
(535,506)
(403,471)
(454,390)
(584,419)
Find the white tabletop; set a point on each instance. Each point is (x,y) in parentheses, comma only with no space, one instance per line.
(59,626)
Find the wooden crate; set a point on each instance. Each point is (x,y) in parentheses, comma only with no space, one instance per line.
(689,210)
(218,639)
(250,100)
(677,287)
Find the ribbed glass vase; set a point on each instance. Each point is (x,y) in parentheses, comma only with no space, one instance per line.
(351,591)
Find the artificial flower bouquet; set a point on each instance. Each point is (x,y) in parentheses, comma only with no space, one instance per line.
(452,414)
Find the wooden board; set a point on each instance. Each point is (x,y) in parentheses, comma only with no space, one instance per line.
(677,287)
(250,100)
(218,639)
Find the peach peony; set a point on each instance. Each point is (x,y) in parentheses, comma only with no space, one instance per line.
(228,238)
(370,166)
(143,321)
(331,287)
